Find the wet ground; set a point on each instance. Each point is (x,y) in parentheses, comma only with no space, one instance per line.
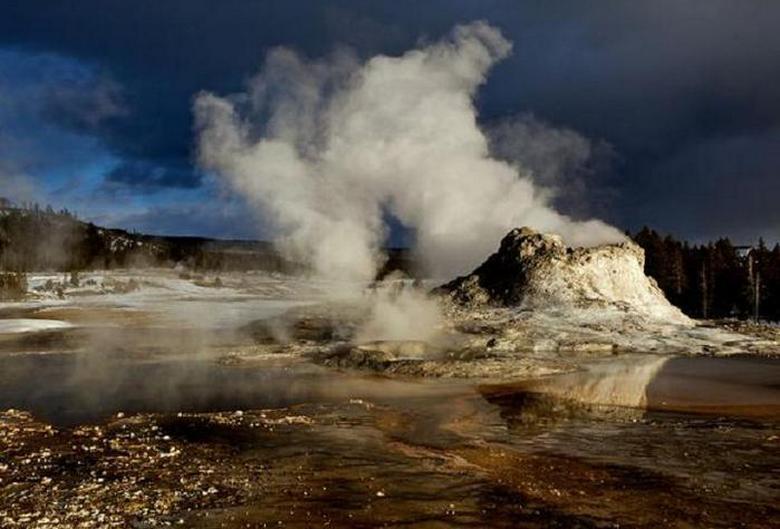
(157,440)
(137,418)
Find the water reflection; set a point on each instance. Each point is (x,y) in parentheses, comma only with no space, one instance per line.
(710,424)
(71,389)
(582,449)
(741,386)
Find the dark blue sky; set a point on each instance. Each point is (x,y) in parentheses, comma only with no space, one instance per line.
(95,99)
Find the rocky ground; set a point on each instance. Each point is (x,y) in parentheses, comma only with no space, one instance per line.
(502,343)
(139,471)
(367,465)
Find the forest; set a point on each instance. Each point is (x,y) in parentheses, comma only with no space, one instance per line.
(715,280)
(42,239)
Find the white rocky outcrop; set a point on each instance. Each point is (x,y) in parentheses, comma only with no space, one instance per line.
(537,271)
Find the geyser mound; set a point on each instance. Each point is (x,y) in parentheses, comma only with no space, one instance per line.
(538,271)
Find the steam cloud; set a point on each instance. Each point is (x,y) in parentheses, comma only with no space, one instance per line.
(326,148)
(568,166)
(14,185)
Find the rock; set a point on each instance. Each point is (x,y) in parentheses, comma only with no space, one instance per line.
(378,355)
(358,358)
(532,270)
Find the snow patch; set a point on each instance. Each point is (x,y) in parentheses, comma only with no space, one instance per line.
(22,325)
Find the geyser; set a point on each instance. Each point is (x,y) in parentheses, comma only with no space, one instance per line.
(537,271)
(325,148)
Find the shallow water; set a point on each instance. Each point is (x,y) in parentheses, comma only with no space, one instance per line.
(700,447)
(72,389)
(23,325)
(731,386)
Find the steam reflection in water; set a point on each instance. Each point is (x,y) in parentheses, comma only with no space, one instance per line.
(70,389)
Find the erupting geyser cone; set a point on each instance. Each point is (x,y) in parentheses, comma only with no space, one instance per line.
(533,270)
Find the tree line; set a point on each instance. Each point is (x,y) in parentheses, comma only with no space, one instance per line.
(35,239)
(41,239)
(715,280)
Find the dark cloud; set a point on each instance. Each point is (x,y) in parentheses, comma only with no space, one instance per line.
(211,218)
(83,105)
(669,85)
(726,185)
(148,176)
(52,108)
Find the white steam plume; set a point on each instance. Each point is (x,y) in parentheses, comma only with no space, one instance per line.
(569,167)
(15,185)
(323,148)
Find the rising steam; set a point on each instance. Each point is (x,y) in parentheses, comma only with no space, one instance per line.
(326,148)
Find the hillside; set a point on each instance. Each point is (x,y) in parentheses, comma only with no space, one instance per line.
(33,239)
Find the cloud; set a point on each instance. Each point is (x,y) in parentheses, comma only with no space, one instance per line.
(51,108)
(653,79)
(83,104)
(57,90)
(209,217)
(148,177)
(721,186)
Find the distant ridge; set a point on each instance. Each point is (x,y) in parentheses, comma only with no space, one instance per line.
(42,239)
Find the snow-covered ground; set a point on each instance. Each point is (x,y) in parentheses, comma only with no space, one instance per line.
(167,297)
(21,325)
